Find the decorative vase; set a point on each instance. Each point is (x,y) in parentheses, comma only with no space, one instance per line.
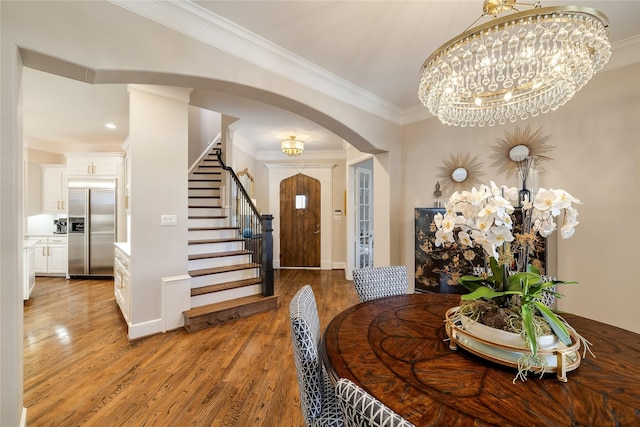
(508,349)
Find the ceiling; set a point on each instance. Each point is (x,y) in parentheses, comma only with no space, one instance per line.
(373,47)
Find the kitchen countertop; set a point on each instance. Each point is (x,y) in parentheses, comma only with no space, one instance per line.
(29,243)
(124,247)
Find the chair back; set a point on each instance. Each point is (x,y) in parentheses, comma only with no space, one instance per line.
(378,282)
(360,409)
(317,396)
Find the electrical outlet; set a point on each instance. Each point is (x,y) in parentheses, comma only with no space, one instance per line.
(168,219)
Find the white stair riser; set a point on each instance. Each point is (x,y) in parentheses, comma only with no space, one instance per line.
(213,234)
(208,248)
(204,184)
(208,192)
(217,211)
(213,203)
(199,264)
(230,276)
(227,295)
(206,222)
(208,169)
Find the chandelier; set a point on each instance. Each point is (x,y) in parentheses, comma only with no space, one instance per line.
(515,66)
(292,147)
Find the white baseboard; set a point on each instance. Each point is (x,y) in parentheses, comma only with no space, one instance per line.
(23,419)
(144,329)
(339,266)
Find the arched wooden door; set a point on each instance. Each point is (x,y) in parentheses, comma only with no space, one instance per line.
(300,222)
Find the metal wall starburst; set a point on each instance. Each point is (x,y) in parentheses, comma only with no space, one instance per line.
(535,144)
(455,162)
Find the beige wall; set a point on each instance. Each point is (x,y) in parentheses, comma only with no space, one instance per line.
(597,140)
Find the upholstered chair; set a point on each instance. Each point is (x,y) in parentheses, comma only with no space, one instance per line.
(378,282)
(360,409)
(317,395)
(548,298)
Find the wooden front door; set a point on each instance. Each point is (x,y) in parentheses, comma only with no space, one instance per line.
(300,222)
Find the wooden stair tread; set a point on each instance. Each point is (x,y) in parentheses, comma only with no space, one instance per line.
(219,254)
(204,197)
(222,269)
(206,217)
(224,286)
(206,241)
(213,228)
(214,314)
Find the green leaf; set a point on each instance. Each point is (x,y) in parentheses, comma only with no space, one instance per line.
(529,329)
(515,280)
(486,292)
(533,269)
(558,326)
(471,283)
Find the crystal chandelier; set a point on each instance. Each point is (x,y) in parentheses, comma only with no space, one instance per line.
(292,147)
(515,66)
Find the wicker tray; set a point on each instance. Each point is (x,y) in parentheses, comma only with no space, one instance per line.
(560,358)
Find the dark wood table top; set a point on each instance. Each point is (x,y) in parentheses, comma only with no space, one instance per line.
(396,349)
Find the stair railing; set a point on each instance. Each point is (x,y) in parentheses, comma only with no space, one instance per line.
(254,228)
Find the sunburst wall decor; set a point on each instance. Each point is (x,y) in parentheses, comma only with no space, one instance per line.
(534,144)
(457,162)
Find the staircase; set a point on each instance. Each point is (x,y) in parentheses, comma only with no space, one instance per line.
(226,281)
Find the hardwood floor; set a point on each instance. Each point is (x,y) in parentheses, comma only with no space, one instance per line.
(80,369)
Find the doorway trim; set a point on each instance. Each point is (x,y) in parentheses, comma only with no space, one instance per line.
(323,172)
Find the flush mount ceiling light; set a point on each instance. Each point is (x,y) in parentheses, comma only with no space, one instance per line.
(515,66)
(292,147)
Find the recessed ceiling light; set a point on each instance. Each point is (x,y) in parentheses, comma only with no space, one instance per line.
(110,125)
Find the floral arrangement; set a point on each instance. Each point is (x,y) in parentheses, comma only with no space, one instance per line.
(485,217)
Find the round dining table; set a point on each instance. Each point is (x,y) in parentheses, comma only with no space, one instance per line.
(397,349)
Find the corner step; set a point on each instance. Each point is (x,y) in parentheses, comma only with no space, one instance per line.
(213,314)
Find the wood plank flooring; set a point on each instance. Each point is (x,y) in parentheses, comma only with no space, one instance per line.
(80,369)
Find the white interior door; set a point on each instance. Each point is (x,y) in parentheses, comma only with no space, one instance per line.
(364,218)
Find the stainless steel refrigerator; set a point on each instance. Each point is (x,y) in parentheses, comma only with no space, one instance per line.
(91,226)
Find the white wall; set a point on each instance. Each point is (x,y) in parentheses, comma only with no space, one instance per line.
(597,158)
(158,146)
(11,229)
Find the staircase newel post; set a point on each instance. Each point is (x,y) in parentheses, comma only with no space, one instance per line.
(267,255)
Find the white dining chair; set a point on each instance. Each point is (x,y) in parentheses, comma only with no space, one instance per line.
(360,409)
(317,394)
(378,282)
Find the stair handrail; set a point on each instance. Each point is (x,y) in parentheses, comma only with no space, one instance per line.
(266,230)
(218,153)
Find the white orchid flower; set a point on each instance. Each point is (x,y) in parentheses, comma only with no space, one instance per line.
(437,220)
(500,235)
(483,224)
(464,239)
(568,230)
(443,237)
(547,200)
(546,228)
(448,223)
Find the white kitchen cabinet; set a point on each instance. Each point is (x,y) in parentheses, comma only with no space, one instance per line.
(54,189)
(50,256)
(96,165)
(28,268)
(122,280)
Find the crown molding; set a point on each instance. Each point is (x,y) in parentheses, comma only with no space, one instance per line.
(277,155)
(194,21)
(624,52)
